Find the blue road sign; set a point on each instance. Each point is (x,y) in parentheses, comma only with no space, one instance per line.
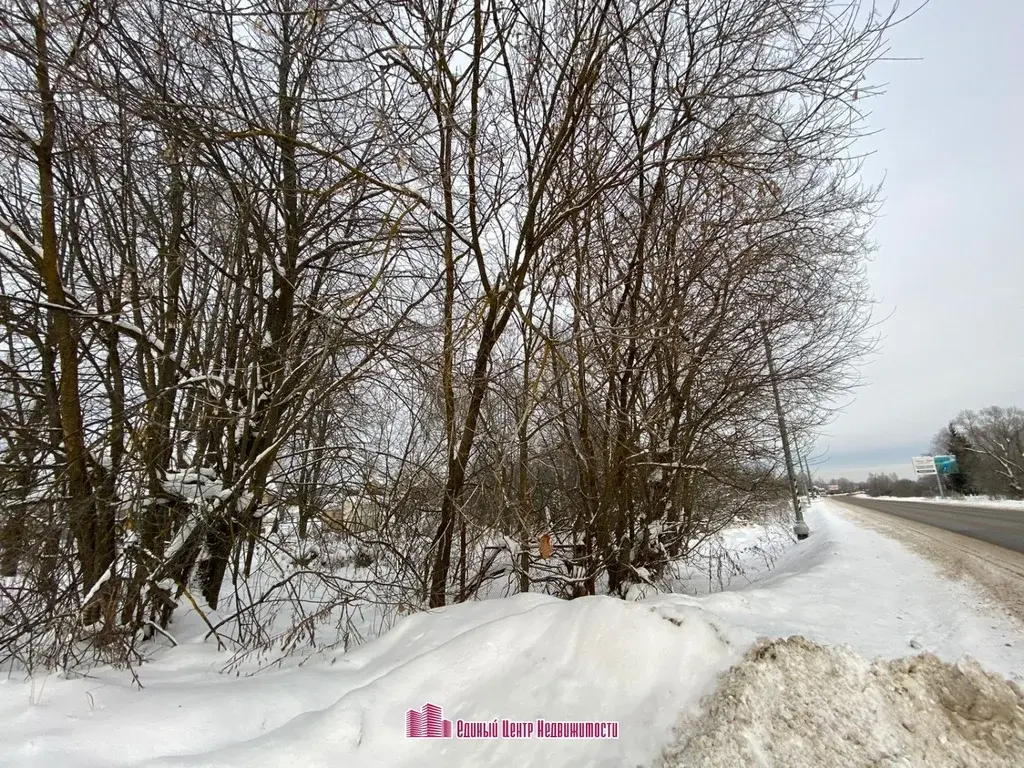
(946,465)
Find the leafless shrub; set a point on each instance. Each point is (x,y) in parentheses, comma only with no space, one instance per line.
(304,306)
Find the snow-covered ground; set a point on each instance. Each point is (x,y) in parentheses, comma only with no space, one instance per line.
(847,585)
(643,665)
(971,501)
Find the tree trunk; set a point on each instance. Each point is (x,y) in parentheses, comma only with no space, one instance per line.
(95,546)
(457,471)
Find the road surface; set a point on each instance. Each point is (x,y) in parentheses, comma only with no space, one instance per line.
(1002,527)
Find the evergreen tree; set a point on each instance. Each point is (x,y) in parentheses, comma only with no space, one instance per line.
(955,443)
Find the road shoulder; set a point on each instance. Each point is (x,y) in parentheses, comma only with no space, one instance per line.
(998,571)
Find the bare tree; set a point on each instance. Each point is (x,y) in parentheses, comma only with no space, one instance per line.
(426,280)
(996,436)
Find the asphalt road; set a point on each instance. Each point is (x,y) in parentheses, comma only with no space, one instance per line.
(1002,527)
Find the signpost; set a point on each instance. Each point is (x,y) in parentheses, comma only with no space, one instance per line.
(935,465)
(946,465)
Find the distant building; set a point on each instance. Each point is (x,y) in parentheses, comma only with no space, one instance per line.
(353,514)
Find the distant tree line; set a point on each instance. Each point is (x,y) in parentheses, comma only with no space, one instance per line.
(885,484)
(891,484)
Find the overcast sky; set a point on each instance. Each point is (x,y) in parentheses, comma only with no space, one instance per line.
(950,264)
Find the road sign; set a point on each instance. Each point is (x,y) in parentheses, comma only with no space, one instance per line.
(946,465)
(924,465)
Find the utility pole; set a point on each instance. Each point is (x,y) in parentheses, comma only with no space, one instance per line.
(800,471)
(800,528)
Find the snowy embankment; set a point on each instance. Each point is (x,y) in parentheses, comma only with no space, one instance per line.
(645,665)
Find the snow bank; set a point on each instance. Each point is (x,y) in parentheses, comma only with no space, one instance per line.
(524,658)
(839,710)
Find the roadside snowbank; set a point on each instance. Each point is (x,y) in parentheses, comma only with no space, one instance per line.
(524,658)
(841,711)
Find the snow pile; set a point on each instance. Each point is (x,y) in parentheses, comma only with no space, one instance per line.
(793,703)
(525,658)
(596,659)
